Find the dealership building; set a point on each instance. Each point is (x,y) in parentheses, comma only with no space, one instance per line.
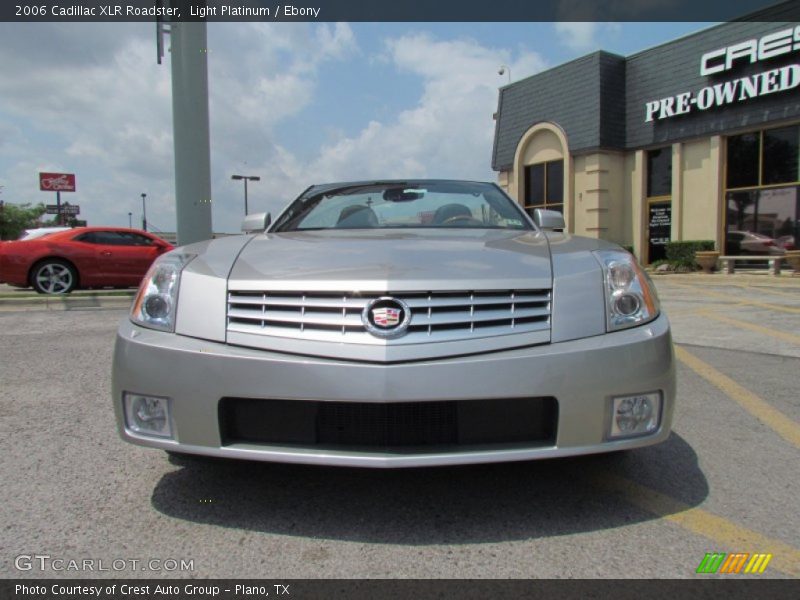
(695,139)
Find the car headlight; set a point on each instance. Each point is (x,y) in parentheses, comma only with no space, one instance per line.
(630,295)
(155,303)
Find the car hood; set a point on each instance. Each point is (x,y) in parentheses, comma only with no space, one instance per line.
(392,260)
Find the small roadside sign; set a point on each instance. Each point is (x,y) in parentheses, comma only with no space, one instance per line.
(66,209)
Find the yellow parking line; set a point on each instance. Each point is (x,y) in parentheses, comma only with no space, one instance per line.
(697,310)
(696,279)
(764,290)
(789,309)
(771,417)
(733,537)
(783,335)
(778,307)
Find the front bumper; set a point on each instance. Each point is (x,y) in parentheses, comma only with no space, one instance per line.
(583,375)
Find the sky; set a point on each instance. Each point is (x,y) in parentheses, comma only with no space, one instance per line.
(293,103)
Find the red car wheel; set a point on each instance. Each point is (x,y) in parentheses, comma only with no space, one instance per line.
(54,276)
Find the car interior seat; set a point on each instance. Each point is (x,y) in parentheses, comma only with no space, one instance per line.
(448,211)
(357,216)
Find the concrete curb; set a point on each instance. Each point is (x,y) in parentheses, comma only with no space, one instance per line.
(77,302)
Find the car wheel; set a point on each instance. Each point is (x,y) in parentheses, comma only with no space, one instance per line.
(54,277)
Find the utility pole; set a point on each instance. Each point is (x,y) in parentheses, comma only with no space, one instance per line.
(130,220)
(189,53)
(144,212)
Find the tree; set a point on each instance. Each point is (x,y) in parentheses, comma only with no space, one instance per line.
(14,218)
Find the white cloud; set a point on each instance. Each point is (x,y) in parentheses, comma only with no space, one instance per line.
(449,132)
(261,76)
(577,36)
(583,36)
(92,100)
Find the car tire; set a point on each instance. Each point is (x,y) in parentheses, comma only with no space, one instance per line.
(54,277)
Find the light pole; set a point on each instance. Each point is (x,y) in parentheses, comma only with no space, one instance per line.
(144,213)
(130,220)
(246,178)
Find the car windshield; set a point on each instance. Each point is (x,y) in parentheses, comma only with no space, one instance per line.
(403,205)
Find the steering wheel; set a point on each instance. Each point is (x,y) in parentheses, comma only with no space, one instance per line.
(467,220)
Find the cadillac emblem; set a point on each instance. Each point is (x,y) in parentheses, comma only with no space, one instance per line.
(386,317)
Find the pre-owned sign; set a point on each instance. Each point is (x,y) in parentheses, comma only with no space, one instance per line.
(720,94)
(751,51)
(57,182)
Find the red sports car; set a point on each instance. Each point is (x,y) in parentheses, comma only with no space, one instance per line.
(83,257)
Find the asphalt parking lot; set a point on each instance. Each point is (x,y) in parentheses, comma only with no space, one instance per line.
(726,481)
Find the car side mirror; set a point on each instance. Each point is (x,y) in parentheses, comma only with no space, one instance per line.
(550,220)
(256,223)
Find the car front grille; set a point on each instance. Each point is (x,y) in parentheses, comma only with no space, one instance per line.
(435,316)
(404,427)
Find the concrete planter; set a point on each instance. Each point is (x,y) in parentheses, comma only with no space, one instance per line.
(793,258)
(707,259)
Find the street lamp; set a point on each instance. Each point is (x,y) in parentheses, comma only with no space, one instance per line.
(503,70)
(144,213)
(130,220)
(246,178)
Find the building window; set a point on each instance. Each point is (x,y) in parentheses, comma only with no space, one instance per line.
(659,172)
(762,158)
(743,159)
(762,197)
(763,222)
(780,155)
(659,203)
(544,186)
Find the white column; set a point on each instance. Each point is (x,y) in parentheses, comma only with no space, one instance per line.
(677,192)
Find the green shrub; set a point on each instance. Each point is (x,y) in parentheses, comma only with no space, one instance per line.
(682,253)
(657,263)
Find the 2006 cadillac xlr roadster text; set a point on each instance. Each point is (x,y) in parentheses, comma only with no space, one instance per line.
(393,324)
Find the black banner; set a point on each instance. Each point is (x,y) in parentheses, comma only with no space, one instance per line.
(397,10)
(732,588)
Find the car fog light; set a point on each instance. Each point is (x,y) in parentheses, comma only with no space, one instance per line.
(627,304)
(148,415)
(635,415)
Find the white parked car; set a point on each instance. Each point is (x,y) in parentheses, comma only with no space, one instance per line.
(749,242)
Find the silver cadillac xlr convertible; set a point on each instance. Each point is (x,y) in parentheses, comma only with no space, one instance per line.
(396,324)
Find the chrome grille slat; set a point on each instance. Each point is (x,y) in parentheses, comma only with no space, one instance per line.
(450,318)
(477,301)
(354,303)
(301,318)
(436,316)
